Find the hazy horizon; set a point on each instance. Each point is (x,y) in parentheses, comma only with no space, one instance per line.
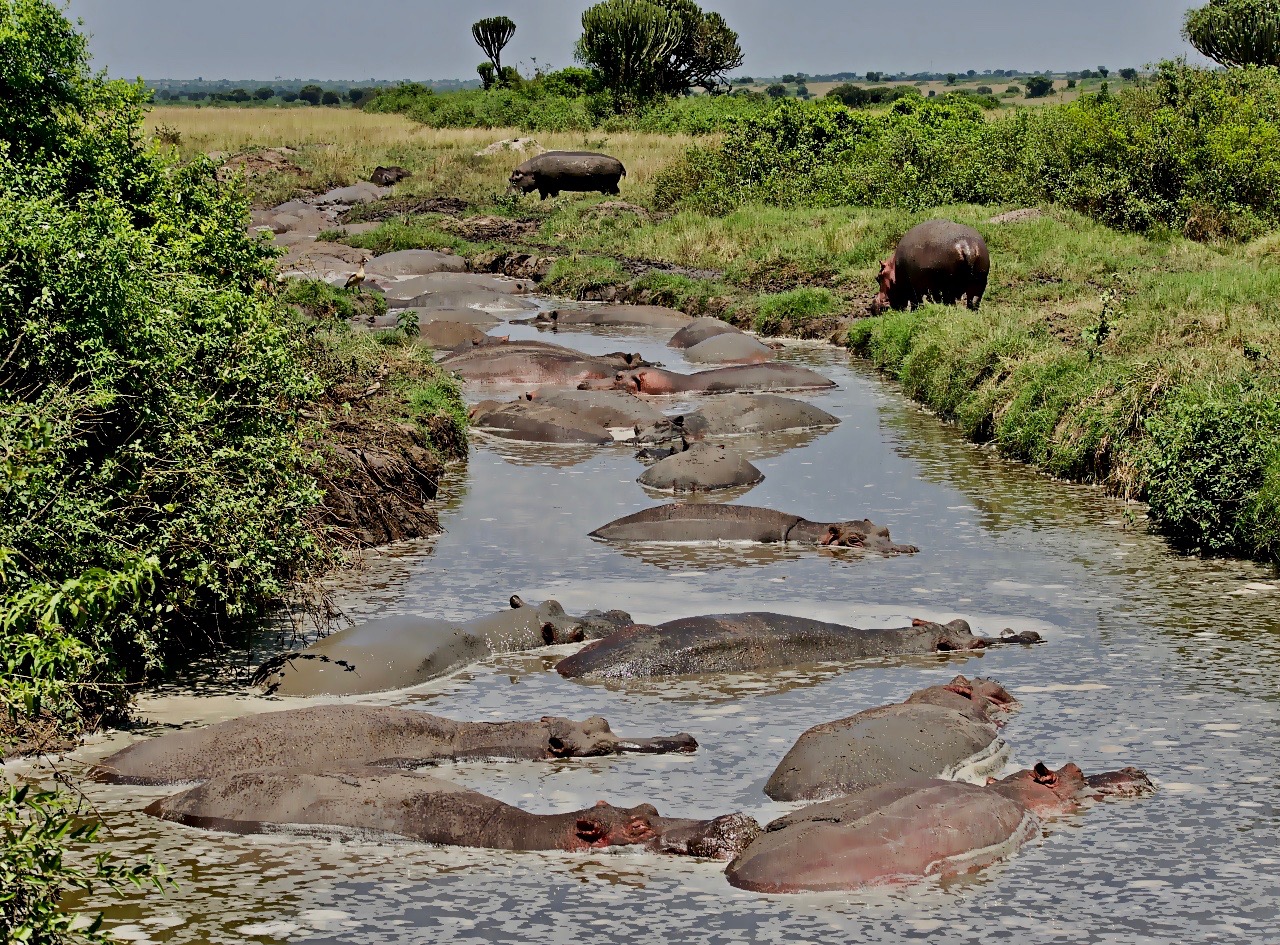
(420,39)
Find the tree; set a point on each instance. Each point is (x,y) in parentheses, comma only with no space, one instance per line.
(951,78)
(788,79)
(708,49)
(264,94)
(492,34)
(1071,83)
(289,96)
(1039,86)
(330,97)
(1236,32)
(971,73)
(777,90)
(311,94)
(983,90)
(629,42)
(1104,71)
(874,76)
(1128,74)
(488,75)
(802,90)
(196,96)
(238,95)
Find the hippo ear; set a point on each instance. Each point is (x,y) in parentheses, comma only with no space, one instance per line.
(516,602)
(832,537)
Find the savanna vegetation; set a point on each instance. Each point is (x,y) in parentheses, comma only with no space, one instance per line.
(166,418)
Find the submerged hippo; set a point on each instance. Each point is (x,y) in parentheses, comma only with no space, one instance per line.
(701,468)
(613,316)
(939,732)
(526,364)
(730,643)
(739,377)
(697,523)
(362,735)
(535,422)
(938,261)
(425,808)
(699,330)
(448,335)
(738,415)
(387,176)
(913,829)
(608,408)
(415,262)
(730,349)
(396,652)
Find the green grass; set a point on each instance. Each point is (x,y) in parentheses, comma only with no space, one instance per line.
(797,312)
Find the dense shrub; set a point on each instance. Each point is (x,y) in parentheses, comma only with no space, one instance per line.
(151,489)
(1193,151)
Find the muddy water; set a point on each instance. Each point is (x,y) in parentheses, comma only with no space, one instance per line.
(1153,659)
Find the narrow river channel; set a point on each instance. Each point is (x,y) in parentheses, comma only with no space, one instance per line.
(1152,659)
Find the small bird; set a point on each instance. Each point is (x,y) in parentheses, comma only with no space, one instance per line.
(356,279)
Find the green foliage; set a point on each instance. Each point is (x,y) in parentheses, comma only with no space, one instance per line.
(790,312)
(488,75)
(1213,458)
(575,276)
(628,42)
(1038,86)
(265,94)
(1128,74)
(1194,151)
(153,488)
(857,96)
(1236,32)
(492,34)
(330,97)
(776,90)
(311,94)
(36,830)
(324,302)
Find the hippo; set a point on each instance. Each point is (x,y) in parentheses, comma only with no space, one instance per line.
(609,408)
(575,171)
(415,262)
(434,283)
(611,316)
(701,468)
(536,423)
(448,335)
(699,330)
(387,176)
(735,643)
(523,363)
(909,830)
(464,297)
(428,809)
(396,652)
(939,732)
(725,380)
(363,735)
(738,415)
(937,261)
(701,523)
(730,349)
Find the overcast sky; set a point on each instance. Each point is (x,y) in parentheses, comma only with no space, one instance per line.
(430,39)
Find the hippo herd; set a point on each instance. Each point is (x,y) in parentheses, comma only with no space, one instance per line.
(889,794)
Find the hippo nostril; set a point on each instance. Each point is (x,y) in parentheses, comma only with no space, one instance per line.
(548,634)
(557,747)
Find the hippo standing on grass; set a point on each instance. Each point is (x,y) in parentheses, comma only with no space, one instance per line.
(938,261)
(579,171)
(909,830)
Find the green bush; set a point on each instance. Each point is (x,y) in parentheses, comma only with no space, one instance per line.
(152,490)
(1193,151)
(1212,465)
(793,311)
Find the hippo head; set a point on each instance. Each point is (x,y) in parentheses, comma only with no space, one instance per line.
(720,839)
(660,431)
(559,627)
(985,693)
(607,826)
(523,181)
(593,739)
(863,534)
(886,278)
(1047,792)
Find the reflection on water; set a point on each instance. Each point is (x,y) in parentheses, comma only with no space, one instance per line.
(1152,659)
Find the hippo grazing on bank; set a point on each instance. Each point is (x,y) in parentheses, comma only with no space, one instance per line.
(738,415)
(701,468)
(387,176)
(725,380)
(938,261)
(428,809)
(940,732)
(910,830)
(575,171)
(700,523)
(363,735)
(396,652)
(737,643)
(610,316)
